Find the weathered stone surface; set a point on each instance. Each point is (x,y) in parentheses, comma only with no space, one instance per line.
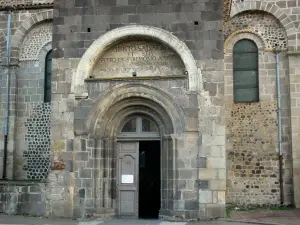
(138,58)
(185,39)
(205,196)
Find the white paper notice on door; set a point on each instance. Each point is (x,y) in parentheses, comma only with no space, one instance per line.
(127,179)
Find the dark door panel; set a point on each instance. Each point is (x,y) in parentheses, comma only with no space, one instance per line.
(149,179)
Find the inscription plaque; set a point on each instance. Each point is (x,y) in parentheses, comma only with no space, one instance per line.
(146,58)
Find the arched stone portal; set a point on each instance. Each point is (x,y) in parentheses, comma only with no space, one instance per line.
(165,89)
(106,119)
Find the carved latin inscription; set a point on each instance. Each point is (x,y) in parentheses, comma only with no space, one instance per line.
(143,57)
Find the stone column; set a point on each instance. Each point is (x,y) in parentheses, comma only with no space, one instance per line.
(294,70)
(211,161)
(108,180)
(60,183)
(168,190)
(12,119)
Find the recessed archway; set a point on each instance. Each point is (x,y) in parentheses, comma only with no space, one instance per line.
(108,116)
(104,42)
(125,96)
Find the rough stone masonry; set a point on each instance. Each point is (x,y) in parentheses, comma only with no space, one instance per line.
(161,60)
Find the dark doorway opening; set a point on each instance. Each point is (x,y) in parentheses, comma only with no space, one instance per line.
(149,179)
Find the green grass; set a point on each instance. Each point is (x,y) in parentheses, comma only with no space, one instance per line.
(228,212)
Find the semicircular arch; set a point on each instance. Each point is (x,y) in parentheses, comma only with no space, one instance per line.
(22,30)
(278,13)
(133,97)
(243,34)
(113,124)
(104,42)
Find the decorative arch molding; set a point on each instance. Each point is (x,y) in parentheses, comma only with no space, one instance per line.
(44,51)
(273,9)
(25,28)
(137,106)
(104,42)
(133,97)
(243,34)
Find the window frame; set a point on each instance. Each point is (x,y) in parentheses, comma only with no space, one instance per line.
(46,74)
(234,70)
(139,133)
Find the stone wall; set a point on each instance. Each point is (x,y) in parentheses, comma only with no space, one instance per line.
(251,129)
(294,68)
(284,11)
(23,198)
(262,24)
(252,162)
(22,3)
(29,156)
(174,24)
(26,79)
(33,122)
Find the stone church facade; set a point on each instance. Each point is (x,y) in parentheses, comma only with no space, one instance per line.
(110,101)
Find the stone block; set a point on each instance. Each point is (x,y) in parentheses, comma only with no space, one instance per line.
(181,184)
(36,209)
(221,197)
(69,166)
(70,145)
(214,211)
(216,162)
(189,195)
(81,193)
(77,213)
(217,185)
(81,113)
(185,174)
(202,213)
(202,162)
(22,208)
(35,197)
(83,145)
(221,174)
(207,174)
(35,189)
(191,205)
(205,196)
(81,156)
(58,145)
(85,173)
(191,215)
(203,184)
(24,197)
(211,88)
(90,143)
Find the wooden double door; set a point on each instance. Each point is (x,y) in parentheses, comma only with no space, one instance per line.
(138,179)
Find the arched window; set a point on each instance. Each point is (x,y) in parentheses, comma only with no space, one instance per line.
(245,71)
(48,77)
(139,126)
